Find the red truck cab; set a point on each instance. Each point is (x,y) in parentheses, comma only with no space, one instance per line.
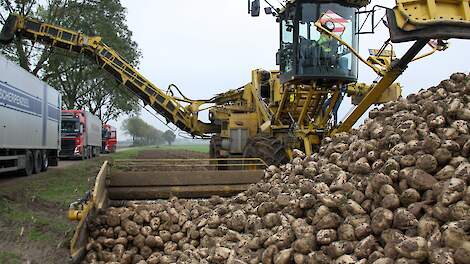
(109,138)
(80,134)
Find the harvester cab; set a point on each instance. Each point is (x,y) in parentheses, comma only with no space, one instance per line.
(308,54)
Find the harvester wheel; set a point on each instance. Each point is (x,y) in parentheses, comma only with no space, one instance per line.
(269,149)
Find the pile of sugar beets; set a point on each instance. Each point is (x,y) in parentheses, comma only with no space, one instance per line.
(396,190)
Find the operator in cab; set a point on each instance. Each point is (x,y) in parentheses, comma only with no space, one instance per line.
(330,47)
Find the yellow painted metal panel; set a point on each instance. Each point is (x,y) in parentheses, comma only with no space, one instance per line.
(415,13)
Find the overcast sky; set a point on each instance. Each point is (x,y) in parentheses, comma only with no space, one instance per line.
(209,46)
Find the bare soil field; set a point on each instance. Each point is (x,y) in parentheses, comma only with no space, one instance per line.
(171,154)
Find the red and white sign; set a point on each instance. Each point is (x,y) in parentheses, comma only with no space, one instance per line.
(339,21)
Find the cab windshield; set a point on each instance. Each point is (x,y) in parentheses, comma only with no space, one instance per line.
(320,52)
(70,127)
(305,51)
(105,134)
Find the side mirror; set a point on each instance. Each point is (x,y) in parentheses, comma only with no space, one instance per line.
(82,129)
(278,57)
(255,8)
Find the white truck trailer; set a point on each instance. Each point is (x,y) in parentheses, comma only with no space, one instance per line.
(29,121)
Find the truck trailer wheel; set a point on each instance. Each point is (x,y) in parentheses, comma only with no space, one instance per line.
(28,168)
(45,161)
(37,163)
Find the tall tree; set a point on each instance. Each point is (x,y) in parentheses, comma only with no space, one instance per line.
(141,132)
(82,83)
(169,137)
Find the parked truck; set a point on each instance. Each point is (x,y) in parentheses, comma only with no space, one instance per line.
(109,137)
(29,121)
(81,135)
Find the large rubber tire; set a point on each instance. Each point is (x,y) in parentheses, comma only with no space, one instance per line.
(37,163)
(28,170)
(269,149)
(45,161)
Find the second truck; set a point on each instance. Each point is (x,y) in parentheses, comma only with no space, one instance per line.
(80,135)
(109,139)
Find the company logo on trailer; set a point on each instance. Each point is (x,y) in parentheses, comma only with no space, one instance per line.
(16,99)
(13,98)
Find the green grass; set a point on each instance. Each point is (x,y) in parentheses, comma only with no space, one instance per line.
(37,225)
(203,148)
(129,153)
(35,234)
(59,186)
(9,258)
(38,205)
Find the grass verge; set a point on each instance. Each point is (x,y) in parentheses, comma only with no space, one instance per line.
(129,153)
(9,258)
(34,208)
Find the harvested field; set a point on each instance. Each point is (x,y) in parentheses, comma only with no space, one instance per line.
(166,160)
(171,154)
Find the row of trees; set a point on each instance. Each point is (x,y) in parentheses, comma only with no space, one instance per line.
(145,134)
(82,84)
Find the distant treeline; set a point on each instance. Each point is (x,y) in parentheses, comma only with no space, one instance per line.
(144,134)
